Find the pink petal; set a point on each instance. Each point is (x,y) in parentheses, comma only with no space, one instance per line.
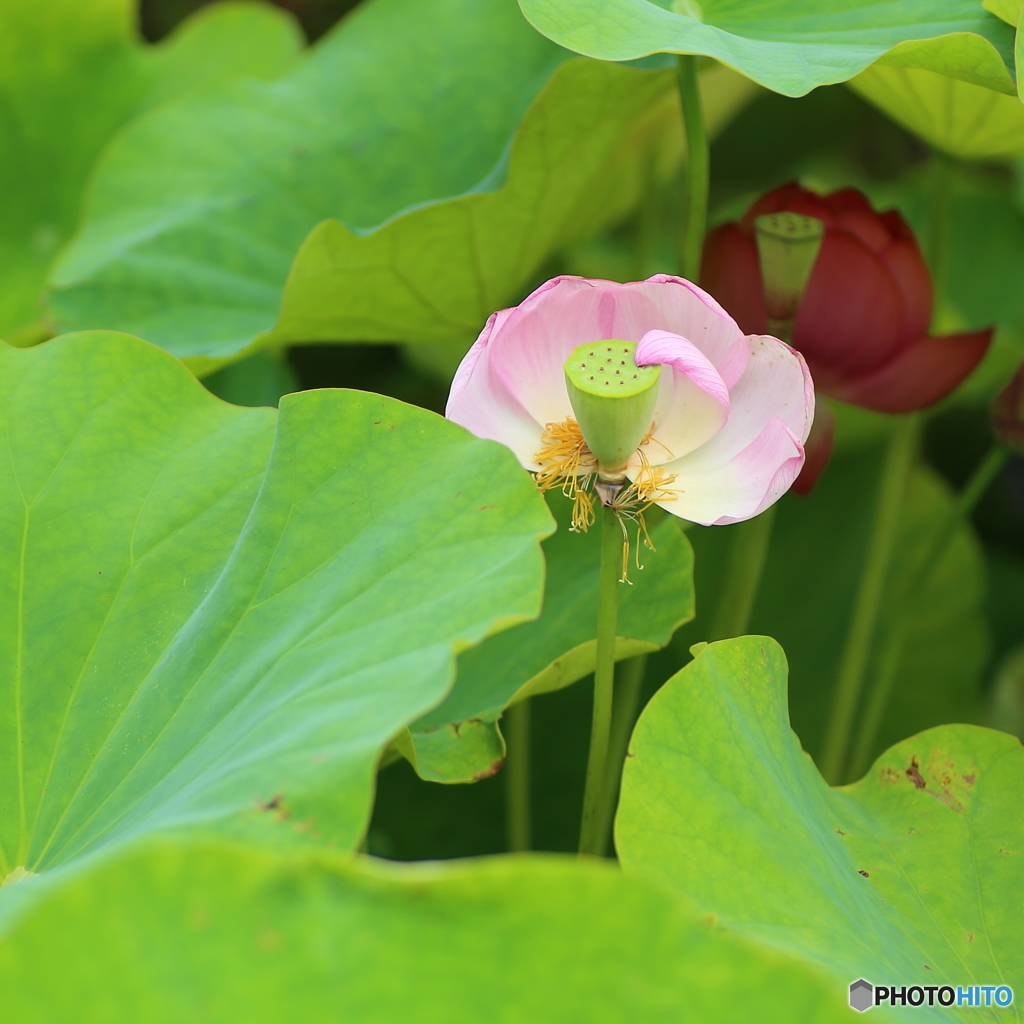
(759,450)
(536,339)
(817,449)
(693,400)
(684,308)
(530,350)
(743,487)
(480,402)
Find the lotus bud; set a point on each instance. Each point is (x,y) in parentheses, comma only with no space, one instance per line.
(788,245)
(1008,413)
(613,400)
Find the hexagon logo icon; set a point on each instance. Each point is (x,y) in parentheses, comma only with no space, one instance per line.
(862,995)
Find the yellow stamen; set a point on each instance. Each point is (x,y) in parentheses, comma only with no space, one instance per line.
(568,463)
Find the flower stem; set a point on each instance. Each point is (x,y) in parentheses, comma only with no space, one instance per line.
(747,559)
(628,685)
(591,840)
(516,720)
(868,601)
(878,698)
(698,164)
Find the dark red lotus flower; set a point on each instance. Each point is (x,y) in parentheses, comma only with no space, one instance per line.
(863,323)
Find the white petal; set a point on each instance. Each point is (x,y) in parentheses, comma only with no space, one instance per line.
(730,492)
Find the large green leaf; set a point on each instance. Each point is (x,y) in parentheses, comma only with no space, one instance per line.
(579,162)
(791,46)
(208,609)
(912,876)
(806,597)
(405,102)
(71,73)
(966,120)
(459,740)
(219,934)
(204,266)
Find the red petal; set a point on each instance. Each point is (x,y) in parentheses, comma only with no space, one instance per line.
(853,314)
(922,374)
(866,226)
(817,448)
(790,197)
(730,271)
(845,200)
(906,264)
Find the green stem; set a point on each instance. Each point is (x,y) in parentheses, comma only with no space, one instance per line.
(878,698)
(628,685)
(516,722)
(747,559)
(868,601)
(698,165)
(604,676)
(938,220)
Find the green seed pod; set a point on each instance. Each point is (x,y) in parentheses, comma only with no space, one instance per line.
(613,399)
(788,245)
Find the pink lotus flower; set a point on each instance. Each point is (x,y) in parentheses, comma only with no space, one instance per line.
(732,411)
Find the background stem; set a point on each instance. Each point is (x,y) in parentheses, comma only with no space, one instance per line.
(868,602)
(698,164)
(881,688)
(628,684)
(516,722)
(747,558)
(591,840)
(938,221)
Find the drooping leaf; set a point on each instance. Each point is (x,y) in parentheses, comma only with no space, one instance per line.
(71,73)
(911,876)
(435,274)
(405,102)
(959,117)
(1008,10)
(211,609)
(217,934)
(459,740)
(191,266)
(791,46)
(806,596)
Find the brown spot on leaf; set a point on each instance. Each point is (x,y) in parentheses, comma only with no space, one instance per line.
(484,508)
(970,936)
(860,872)
(839,831)
(969,779)
(486,773)
(914,774)
(926,967)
